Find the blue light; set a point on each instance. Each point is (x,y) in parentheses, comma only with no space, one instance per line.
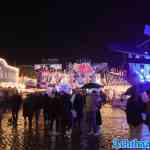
(147,30)
(146,52)
(142,80)
(141,77)
(142,70)
(147,57)
(137,57)
(148,77)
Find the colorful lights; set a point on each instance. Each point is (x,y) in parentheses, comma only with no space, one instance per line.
(142,72)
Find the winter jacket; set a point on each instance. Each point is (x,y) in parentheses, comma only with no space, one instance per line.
(92,102)
(134,110)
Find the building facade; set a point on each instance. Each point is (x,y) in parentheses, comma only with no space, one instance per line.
(8,73)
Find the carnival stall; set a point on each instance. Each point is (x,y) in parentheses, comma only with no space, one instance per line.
(9,76)
(113,79)
(8,73)
(76,77)
(54,75)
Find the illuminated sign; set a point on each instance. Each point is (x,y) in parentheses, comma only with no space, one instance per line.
(47,66)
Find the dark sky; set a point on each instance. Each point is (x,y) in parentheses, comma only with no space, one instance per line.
(62,28)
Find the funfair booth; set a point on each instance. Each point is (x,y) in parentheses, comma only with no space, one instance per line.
(8,74)
(9,78)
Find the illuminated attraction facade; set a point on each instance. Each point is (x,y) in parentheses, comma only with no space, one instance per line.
(8,73)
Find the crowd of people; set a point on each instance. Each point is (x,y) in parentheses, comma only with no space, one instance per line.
(72,111)
(69,111)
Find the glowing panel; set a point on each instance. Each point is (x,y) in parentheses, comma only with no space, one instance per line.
(142,71)
(147,30)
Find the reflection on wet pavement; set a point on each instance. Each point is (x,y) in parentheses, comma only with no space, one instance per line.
(114,125)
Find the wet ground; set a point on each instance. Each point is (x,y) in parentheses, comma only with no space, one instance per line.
(114,125)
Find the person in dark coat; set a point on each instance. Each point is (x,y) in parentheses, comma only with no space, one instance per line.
(146,99)
(77,105)
(16,101)
(28,110)
(134,109)
(47,109)
(37,106)
(31,106)
(98,113)
(55,110)
(66,115)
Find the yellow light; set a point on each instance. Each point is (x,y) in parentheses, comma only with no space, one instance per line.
(8,66)
(3,61)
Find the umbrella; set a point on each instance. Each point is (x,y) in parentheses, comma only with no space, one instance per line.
(91,85)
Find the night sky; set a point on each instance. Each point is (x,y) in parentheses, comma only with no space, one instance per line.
(66,28)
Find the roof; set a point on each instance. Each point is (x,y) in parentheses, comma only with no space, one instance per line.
(138,47)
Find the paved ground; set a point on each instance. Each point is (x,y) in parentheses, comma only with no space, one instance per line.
(114,125)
